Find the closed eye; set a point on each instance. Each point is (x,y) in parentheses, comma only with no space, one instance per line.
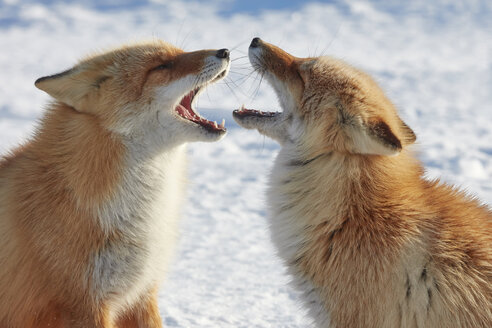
(166,65)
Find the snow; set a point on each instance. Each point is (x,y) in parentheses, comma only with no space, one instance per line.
(434,59)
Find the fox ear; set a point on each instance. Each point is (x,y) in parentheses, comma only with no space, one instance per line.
(409,135)
(378,137)
(72,86)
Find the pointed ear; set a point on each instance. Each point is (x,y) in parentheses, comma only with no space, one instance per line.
(375,138)
(408,134)
(379,137)
(73,86)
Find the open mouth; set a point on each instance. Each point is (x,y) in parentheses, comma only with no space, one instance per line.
(244,112)
(221,75)
(186,111)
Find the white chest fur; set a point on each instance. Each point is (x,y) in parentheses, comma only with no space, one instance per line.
(287,230)
(141,223)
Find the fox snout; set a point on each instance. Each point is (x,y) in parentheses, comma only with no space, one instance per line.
(267,56)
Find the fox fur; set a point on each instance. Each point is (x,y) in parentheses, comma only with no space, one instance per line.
(89,206)
(368,241)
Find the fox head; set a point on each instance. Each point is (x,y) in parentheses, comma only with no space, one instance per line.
(143,90)
(327,106)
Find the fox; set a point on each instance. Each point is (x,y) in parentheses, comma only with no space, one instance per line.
(90,203)
(367,240)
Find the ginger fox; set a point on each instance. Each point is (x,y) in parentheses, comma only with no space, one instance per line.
(89,205)
(368,241)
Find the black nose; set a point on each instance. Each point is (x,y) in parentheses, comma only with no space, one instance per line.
(222,53)
(255,42)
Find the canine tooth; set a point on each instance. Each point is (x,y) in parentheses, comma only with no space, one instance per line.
(222,125)
(215,125)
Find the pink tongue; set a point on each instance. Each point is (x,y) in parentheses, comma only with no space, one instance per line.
(183,111)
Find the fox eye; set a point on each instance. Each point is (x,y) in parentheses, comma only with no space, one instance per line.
(166,65)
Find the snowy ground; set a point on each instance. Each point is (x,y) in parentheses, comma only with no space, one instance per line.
(434,58)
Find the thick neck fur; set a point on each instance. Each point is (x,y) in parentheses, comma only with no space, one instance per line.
(83,156)
(90,159)
(344,183)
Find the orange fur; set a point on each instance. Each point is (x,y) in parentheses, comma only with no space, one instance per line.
(145,314)
(368,240)
(44,186)
(76,237)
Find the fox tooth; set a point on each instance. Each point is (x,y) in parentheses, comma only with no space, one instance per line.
(215,124)
(223,123)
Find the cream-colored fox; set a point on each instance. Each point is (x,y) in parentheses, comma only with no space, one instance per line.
(89,206)
(368,241)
